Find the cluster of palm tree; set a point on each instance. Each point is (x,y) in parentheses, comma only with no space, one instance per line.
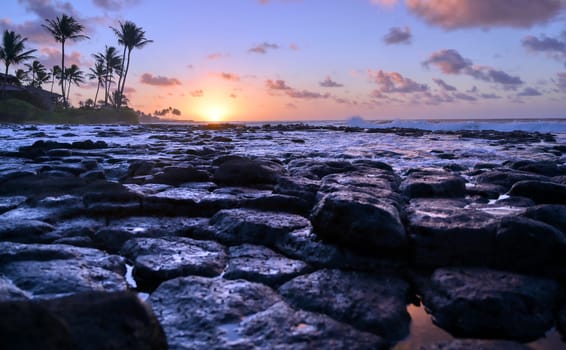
(109,68)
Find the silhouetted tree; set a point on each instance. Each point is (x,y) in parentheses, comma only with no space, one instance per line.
(73,75)
(130,36)
(62,29)
(112,63)
(99,73)
(55,74)
(38,73)
(13,51)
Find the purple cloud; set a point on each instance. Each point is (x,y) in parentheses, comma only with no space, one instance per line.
(454,14)
(561,81)
(392,82)
(398,35)
(329,83)
(196,93)
(528,92)
(451,62)
(276,85)
(444,85)
(230,76)
(263,48)
(553,47)
(115,5)
(149,79)
(305,94)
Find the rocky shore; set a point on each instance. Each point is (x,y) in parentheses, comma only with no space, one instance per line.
(278,237)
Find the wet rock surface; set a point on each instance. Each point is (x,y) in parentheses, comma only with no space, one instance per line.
(283,236)
(489,303)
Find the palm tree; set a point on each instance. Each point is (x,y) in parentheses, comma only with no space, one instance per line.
(13,51)
(38,73)
(112,63)
(73,75)
(55,74)
(62,29)
(97,72)
(131,36)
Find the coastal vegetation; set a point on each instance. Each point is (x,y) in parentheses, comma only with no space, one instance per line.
(23,98)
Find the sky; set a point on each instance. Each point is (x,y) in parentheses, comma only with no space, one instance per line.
(276,60)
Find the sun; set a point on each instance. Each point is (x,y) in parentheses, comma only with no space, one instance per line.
(215,114)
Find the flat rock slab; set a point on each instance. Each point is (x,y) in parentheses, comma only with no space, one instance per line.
(542,192)
(24,231)
(431,184)
(47,271)
(160,259)
(202,313)
(86,321)
(282,327)
(260,264)
(9,292)
(483,303)
(239,226)
(11,202)
(446,232)
(369,302)
(114,235)
(359,221)
(475,344)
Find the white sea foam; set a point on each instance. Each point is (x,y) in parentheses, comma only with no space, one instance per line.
(531,125)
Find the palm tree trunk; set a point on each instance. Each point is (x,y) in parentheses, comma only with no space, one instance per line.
(63,73)
(121,75)
(124,80)
(96,95)
(68,89)
(5,81)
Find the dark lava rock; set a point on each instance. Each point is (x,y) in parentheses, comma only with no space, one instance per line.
(369,302)
(551,214)
(9,203)
(544,167)
(42,185)
(113,236)
(359,221)
(238,226)
(176,176)
(9,292)
(528,245)
(540,191)
(433,184)
(82,321)
(475,344)
(316,170)
(282,327)
(484,303)
(561,323)
(141,168)
(375,182)
(507,177)
(300,187)
(489,191)
(203,313)
(244,171)
(47,271)
(160,259)
(111,199)
(260,264)
(444,232)
(24,231)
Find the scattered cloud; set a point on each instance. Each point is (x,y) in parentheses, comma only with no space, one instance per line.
(294,47)
(393,82)
(528,92)
(48,9)
(553,47)
(386,3)
(398,35)
(276,85)
(197,93)
(291,106)
(230,76)
(451,62)
(51,57)
(29,29)
(329,83)
(305,94)
(490,96)
(444,85)
(233,96)
(263,48)
(448,61)
(561,81)
(115,5)
(216,56)
(463,96)
(454,14)
(149,79)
